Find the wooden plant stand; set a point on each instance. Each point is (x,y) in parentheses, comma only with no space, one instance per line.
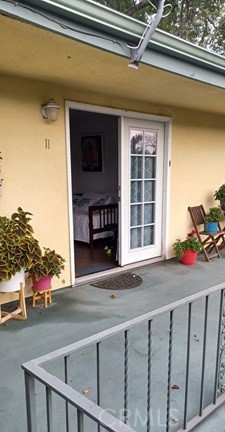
(38,295)
(20,313)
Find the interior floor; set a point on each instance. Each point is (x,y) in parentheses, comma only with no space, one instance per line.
(92,260)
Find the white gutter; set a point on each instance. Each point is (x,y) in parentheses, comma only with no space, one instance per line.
(113,22)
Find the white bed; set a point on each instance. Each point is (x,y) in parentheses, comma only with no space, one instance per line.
(93,213)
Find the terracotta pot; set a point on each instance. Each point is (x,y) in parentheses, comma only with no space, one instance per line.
(14,283)
(42,284)
(189,257)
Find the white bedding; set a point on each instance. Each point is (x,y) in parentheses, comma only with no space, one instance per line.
(81,226)
(81,205)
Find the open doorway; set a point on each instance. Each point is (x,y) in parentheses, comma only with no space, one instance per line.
(94,175)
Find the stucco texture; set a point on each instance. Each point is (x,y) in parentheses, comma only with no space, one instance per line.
(34,165)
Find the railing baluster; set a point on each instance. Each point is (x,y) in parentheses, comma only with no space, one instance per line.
(49,410)
(125,375)
(187,366)
(80,421)
(66,381)
(98,377)
(203,356)
(54,386)
(216,380)
(169,372)
(30,403)
(149,375)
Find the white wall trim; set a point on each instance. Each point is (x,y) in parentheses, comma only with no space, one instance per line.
(70,201)
(113,111)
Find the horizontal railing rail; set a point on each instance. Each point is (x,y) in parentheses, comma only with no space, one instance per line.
(85,408)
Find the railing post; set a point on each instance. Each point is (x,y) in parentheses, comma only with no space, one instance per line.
(187,366)
(149,376)
(66,381)
(219,348)
(30,403)
(203,356)
(49,409)
(80,421)
(98,376)
(125,375)
(169,372)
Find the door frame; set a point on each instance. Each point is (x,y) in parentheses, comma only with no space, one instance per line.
(166,178)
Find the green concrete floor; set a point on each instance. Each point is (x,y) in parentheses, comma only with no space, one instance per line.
(85,310)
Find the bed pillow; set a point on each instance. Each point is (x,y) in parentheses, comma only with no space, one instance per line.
(112,198)
(103,200)
(76,198)
(83,203)
(90,194)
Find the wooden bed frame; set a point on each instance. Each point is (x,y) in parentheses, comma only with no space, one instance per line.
(108,218)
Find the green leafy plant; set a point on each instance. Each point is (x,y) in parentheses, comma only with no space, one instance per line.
(215,215)
(190,243)
(18,247)
(220,193)
(50,264)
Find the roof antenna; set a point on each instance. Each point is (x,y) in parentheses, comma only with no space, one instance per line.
(153,21)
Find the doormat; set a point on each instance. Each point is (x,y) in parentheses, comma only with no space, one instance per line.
(121,282)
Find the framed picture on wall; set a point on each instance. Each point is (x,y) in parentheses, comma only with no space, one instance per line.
(92,153)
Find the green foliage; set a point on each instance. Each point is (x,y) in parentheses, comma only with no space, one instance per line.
(201,22)
(215,215)
(18,247)
(190,243)
(220,193)
(50,264)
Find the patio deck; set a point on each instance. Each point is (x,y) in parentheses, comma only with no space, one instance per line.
(85,310)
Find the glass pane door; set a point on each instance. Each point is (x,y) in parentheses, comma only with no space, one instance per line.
(142,148)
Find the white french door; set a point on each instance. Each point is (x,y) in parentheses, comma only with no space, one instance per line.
(141,178)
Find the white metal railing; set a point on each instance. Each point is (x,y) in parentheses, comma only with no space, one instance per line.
(196,361)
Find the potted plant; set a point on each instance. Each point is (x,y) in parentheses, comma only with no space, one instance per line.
(18,248)
(220,196)
(187,250)
(214,216)
(41,271)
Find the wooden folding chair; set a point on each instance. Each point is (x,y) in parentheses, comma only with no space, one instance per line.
(211,243)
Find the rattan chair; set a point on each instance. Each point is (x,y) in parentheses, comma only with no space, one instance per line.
(211,243)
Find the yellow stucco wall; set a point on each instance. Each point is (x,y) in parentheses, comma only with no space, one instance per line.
(35,177)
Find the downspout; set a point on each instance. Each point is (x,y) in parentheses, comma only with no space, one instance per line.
(153,21)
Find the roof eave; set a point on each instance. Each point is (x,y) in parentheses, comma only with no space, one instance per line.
(98,18)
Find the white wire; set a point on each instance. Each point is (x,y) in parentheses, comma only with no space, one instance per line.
(154,7)
(150,18)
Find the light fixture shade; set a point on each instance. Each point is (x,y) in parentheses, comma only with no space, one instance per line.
(50,110)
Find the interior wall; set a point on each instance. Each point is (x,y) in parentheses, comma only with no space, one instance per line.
(84,123)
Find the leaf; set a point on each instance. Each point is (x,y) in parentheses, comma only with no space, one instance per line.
(175,419)
(86,390)
(113,296)
(175,386)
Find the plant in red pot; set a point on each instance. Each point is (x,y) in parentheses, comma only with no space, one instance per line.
(42,271)
(187,250)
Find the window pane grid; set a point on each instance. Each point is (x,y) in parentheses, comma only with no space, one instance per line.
(143,151)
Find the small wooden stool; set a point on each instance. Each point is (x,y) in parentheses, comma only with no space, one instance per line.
(38,295)
(20,313)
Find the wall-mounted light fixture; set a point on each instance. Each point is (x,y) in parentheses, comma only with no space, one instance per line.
(50,110)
